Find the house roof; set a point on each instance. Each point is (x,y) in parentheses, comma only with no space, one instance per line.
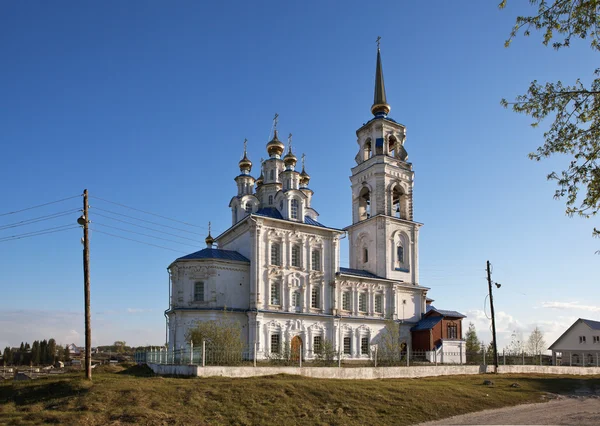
(359,273)
(426,323)
(212,253)
(445,313)
(274,213)
(594,325)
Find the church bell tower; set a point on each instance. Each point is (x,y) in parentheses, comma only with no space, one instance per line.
(383,237)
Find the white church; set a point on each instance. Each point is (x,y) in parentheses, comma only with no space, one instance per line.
(277,268)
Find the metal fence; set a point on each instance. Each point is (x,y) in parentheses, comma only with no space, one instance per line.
(208,355)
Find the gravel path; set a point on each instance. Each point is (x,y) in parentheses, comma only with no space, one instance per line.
(563,411)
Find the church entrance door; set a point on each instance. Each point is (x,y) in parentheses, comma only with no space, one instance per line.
(296,348)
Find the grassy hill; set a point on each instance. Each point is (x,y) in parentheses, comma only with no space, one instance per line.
(134,396)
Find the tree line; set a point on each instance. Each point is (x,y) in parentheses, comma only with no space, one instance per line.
(44,352)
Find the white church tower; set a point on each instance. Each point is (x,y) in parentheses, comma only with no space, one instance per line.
(383,236)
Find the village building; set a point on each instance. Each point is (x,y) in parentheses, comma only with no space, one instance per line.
(578,345)
(277,268)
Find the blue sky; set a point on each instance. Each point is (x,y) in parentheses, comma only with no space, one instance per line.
(147,104)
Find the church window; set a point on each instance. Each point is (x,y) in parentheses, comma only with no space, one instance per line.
(296,255)
(248,208)
(315,297)
(452,331)
(199,292)
(379,303)
(294,211)
(270,200)
(316,260)
(364,203)
(275,254)
(296,299)
(317,344)
(272,175)
(346,301)
(275,342)
(399,203)
(274,293)
(365,255)
(362,302)
(364,346)
(347,345)
(400,254)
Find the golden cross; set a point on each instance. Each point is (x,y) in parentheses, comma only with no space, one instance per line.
(275,120)
(378,41)
(290,142)
(245,145)
(303,156)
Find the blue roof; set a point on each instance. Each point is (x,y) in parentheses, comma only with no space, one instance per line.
(444,312)
(273,213)
(359,272)
(426,323)
(594,325)
(211,253)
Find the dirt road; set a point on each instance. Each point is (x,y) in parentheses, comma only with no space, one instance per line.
(563,411)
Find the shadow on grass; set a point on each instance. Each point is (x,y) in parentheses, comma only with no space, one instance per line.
(31,393)
(138,371)
(561,385)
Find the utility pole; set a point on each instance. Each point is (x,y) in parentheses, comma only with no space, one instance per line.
(84,221)
(489,277)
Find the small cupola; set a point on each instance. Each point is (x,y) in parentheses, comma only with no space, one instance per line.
(209,239)
(290,159)
(245,164)
(304,177)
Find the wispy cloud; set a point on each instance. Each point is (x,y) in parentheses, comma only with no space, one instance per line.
(570,305)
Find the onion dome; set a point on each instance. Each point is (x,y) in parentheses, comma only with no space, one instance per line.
(209,239)
(304,178)
(275,147)
(380,106)
(290,159)
(245,164)
(260,180)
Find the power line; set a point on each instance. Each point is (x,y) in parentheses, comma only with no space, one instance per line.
(145,221)
(38,219)
(146,212)
(40,205)
(145,235)
(137,241)
(41,232)
(147,227)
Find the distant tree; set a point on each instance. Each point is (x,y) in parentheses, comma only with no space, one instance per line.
(7,356)
(119,346)
(574,108)
(43,351)
(389,344)
(35,352)
(473,345)
(517,344)
(51,352)
(26,355)
(536,343)
(67,354)
(60,353)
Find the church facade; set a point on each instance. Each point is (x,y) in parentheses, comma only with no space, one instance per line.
(276,269)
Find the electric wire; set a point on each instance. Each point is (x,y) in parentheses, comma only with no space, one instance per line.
(39,205)
(146,227)
(145,235)
(146,212)
(40,232)
(143,220)
(38,219)
(137,241)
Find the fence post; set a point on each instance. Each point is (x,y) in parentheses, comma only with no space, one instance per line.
(484,357)
(435,356)
(203,353)
(192,352)
(407,356)
(376,356)
(523,357)
(460,350)
(255,351)
(504,356)
(570,359)
(540,358)
(300,355)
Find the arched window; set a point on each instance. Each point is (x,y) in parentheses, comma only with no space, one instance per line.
(270,200)
(294,209)
(365,255)
(400,254)
(272,175)
(367,150)
(399,203)
(364,204)
(296,299)
(248,208)
(316,260)
(296,255)
(401,262)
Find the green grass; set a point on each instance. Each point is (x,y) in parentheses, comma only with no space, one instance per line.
(134,396)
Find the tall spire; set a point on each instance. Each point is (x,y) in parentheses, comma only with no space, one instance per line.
(380,106)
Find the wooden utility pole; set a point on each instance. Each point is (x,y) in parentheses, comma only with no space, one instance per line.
(84,221)
(489,277)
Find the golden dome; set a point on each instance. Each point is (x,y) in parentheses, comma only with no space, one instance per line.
(275,147)
(245,164)
(290,159)
(260,180)
(304,178)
